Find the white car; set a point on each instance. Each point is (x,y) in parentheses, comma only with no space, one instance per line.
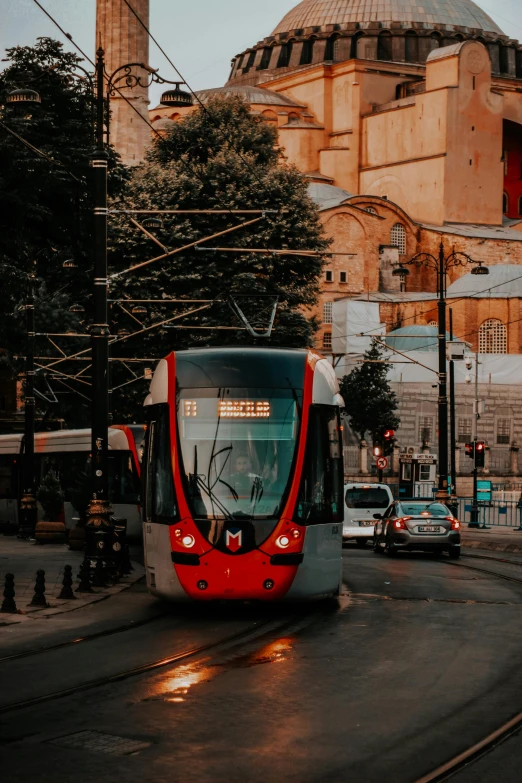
(361,502)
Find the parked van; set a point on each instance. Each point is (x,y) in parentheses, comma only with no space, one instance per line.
(361,502)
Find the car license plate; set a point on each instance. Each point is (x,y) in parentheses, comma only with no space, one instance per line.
(366,523)
(428,529)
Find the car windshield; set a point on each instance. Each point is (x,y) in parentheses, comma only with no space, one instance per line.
(238,447)
(423,509)
(367,497)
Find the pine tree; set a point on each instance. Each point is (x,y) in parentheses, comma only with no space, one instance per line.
(369,400)
(220,158)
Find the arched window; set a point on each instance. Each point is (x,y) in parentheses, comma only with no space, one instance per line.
(357,44)
(175,117)
(433,323)
(518,60)
(293,119)
(307,55)
(435,40)
(505,203)
(265,59)
(250,61)
(384,46)
(371,210)
(412,47)
(398,238)
(286,53)
(504,59)
(332,48)
(493,337)
(270,116)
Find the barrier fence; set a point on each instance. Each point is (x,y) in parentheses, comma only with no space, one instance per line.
(493,513)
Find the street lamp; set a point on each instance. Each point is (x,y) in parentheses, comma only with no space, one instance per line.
(28,504)
(99,510)
(441,265)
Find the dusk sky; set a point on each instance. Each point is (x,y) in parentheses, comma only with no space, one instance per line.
(200,37)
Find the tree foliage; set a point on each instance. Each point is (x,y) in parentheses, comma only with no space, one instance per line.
(369,400)
(46,202)
(220,158)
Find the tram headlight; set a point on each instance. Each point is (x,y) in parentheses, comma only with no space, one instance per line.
(178,533)
(188,541)
(283,542)
(296,534)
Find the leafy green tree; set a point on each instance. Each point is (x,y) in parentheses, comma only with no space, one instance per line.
(369,400)
(46,202)
(222,158)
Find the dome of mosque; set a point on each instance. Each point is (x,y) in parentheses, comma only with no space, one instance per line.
(449,13)
(503,282)
(417,337)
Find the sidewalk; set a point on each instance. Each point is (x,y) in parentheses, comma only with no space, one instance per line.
(25,558)
(496,539)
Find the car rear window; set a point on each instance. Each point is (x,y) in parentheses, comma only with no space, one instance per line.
(373,497)
(433,509)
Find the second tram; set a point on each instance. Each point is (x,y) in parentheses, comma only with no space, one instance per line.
(243,476)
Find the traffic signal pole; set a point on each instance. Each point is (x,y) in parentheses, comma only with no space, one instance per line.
(474,517)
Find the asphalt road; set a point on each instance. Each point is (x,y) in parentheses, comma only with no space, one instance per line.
(419,660)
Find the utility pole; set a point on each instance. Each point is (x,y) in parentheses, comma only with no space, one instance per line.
(442,493)
(474,517)
(453,421)
(28,505)
(99,510)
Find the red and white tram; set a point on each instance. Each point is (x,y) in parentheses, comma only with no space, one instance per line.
(243,476)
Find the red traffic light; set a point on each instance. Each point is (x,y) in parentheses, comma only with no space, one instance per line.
(480,445)
(470,450)
(389,434)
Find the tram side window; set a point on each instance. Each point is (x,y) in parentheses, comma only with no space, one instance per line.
(8,477)
(160,500)
(321,491)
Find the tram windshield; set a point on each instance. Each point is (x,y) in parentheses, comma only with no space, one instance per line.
(237,447)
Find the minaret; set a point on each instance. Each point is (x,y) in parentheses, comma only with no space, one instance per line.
(124,40)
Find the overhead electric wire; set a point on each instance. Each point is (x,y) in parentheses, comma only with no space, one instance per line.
(38,151)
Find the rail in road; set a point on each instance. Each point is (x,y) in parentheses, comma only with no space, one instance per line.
(503,732)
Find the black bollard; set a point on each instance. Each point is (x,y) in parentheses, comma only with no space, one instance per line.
(39,590)
(98,579)
(85,577)
(67,591)
(8,604)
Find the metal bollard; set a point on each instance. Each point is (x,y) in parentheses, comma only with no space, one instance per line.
(519,506)
(67,591)
(85,577)
(39,590)
(8,604)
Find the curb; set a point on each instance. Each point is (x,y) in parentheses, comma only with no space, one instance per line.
(62,607)
(492,546)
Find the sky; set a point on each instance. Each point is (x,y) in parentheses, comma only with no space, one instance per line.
(200,37)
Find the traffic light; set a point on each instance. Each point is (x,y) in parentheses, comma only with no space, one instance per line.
(470,450)
(480,454)
(377,451)
(388,440)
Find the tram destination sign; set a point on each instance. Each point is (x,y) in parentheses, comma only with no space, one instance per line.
(232,409)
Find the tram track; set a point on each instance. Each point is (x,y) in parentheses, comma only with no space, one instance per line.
(173,660)
(495,738)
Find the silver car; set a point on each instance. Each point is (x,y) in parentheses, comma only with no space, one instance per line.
(417,525)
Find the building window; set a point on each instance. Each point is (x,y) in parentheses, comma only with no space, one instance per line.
(343,277)
(250,61)
(412,47)
(293,119)
(464,431)
(371,210)
(433,323)
(327,341)
(398,238)
(286,53)
(265,59)
(493,337)
(307,54)
(425,429)
(505,203)
(503,430)
(384,46)
(327,312)
(329,276)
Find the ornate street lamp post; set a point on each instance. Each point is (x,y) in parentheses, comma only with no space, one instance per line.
(441,265)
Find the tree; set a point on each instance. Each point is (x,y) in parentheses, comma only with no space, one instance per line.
(46,202)
(219,158)
(369,400)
